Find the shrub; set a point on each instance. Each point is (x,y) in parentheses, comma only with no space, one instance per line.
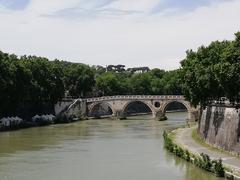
(168,144)
(187,156)
(217,168)
(206,162)
(203,161)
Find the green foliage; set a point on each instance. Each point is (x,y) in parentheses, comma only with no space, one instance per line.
(155,82)
(36,80)
(108,83)
(168,144)
(203,161)
(45,80)
(187,156)
(79,80)
(212,72)
(217,168)
(141,84)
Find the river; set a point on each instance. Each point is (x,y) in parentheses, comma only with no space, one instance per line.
(95,150)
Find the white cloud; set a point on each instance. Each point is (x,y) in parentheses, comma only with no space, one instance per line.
(155,41)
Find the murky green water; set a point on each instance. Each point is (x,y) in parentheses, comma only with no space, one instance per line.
(95,150)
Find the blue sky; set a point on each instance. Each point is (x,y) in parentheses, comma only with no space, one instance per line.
(93,5)
(14,4)
(153,33)
(184,5)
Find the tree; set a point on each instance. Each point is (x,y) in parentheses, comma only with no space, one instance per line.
(7,81)
(108,84)
(157,73)
(212,72)
(141,84)
(172,84)
(79,80)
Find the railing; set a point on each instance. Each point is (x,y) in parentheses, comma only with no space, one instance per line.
(137,97)
(224,102)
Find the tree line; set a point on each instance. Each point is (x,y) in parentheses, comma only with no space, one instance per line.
(154,82)
(209,73)
(37,81)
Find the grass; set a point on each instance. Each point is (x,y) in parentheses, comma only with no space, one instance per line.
(198,139)
(203,160)
(191,124)
(172,135)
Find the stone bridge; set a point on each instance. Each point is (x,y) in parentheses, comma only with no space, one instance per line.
(119,104)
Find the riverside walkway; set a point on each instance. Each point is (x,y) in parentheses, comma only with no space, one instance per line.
(183,138)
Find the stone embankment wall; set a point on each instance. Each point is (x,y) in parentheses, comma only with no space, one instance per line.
(71,108)
(61,105)
(220,127)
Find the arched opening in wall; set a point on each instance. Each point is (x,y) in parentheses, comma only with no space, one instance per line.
(176,111)
(101,110)
(137,110)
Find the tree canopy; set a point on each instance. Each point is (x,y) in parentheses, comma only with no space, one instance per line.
(212,72)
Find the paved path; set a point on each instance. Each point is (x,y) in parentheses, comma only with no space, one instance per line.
(184,139)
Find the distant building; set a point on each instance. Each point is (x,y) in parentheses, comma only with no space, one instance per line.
(138,70)
(121,68)
(116,68)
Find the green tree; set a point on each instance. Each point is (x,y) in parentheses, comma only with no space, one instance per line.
(212,72)
(141,84)
(108,84)
(79,80)
(172,84)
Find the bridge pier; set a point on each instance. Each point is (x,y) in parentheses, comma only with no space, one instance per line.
(119,114)
(160,115)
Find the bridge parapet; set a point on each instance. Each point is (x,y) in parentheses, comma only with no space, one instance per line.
(137,97)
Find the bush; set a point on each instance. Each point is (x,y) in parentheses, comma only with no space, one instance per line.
(217,168)
(206,162)
(187,156)
(168,144)
(203,161)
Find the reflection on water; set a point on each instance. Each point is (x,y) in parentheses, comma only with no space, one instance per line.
(97,149)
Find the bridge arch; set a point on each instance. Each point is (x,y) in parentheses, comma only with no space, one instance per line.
(94,108)
(131,102)
(184,103)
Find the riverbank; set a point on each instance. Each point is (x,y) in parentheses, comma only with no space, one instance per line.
(30,124)
(183,139)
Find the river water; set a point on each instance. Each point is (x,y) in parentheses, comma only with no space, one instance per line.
(95,150)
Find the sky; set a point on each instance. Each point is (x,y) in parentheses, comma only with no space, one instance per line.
(153,33)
